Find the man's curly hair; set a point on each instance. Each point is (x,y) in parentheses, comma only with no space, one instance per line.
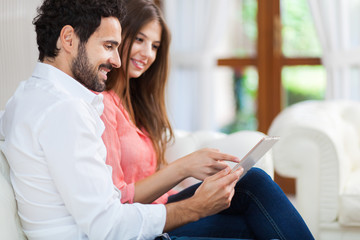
(83,15)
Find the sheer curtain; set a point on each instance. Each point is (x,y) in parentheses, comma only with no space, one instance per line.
(337,24)
(197,29)
(18,49)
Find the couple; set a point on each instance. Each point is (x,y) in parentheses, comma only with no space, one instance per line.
(86,165)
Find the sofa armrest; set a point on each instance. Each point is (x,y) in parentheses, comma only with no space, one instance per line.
(311,151)
(311,158)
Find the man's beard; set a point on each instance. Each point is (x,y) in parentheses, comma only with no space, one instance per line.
(85,73)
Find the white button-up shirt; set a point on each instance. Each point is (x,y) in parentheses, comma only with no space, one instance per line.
(52,130)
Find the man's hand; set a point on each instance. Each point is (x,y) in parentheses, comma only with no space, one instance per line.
(216,192)
(212,196)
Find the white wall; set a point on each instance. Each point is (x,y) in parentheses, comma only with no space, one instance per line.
(18,49)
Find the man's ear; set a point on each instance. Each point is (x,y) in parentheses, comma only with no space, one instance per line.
(68,39)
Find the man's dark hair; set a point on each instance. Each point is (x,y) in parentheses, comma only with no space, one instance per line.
(83,15)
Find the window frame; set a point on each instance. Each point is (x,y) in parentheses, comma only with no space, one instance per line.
(269,63)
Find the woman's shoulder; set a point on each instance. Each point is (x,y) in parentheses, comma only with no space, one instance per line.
(113,109)
(110,97)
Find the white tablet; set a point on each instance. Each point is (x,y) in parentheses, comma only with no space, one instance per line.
(256,153)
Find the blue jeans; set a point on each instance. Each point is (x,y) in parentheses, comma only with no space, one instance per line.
(259,210)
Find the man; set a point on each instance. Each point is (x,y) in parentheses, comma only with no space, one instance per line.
(52,130)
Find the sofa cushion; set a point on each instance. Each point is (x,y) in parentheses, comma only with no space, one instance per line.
(349,209)
(10,227)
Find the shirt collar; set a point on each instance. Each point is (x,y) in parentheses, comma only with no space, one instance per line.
(69,85)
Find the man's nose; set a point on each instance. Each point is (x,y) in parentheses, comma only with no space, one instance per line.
(115,60)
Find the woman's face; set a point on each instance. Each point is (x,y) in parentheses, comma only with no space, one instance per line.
(144,49)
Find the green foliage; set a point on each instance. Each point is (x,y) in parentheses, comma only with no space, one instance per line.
(298,31)
(246,17)
(243,121)
(245,93)
(303,83)
(249,12)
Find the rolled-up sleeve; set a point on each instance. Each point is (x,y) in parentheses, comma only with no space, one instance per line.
(70,137)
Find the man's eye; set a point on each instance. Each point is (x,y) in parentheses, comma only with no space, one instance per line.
(109,47)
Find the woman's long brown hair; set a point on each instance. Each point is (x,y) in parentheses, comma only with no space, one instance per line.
(144,97)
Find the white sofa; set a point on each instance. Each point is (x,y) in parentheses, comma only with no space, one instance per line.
(237,144)
(320,148)
(10,227)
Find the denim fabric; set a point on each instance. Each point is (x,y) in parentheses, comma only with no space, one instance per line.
(199,238)
(259,210)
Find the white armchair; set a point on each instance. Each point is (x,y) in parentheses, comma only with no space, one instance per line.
(320,148)
(237,144)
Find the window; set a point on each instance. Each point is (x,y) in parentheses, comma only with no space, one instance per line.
(279,40)
(284,66)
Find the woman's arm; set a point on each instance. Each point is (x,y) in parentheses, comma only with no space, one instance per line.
(199,164)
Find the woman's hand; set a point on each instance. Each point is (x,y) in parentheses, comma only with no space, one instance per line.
(204,162)
(200,164)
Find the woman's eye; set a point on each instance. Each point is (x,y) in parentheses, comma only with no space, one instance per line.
(138,39)
(109,47)
(156,47)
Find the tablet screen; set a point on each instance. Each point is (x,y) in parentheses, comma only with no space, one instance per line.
(256,153)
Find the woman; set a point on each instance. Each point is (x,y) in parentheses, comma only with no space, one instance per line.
(137,130)
(137,127)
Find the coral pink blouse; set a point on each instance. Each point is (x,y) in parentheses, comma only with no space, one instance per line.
(130,152)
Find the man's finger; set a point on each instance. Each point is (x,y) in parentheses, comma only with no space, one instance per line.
(233,176)
(220,174)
